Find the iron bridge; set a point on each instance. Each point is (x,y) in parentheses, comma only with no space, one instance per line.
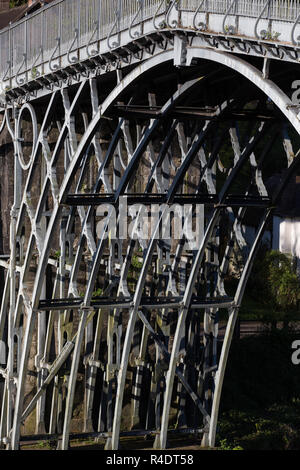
(155,106)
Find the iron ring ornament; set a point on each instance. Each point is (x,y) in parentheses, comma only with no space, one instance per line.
(19,139)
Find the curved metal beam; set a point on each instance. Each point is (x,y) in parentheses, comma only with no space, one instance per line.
(242,67)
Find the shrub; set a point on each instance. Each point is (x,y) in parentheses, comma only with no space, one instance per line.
(274,281)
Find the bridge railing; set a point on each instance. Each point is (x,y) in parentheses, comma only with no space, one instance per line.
(274,9)
(65,26)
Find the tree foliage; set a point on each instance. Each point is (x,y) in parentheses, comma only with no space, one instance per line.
(16,3)
(275,281)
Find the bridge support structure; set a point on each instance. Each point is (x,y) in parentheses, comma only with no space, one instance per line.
(95,289)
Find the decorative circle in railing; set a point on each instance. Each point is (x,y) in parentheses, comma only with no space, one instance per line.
(26,109)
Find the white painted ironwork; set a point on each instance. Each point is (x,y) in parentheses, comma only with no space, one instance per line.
(64,152)
(65,26)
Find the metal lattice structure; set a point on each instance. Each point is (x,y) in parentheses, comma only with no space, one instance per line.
(147,106)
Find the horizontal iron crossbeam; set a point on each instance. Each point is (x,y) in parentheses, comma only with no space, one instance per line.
(146,302)
(97,199)
(230,201)
(105,435)
(180,112)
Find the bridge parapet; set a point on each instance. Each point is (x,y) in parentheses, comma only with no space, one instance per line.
(69,32)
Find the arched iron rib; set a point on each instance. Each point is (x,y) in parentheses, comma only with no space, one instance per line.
(53,222)
(39,282)
(240,66)
(123,184)
(188,291)
(191,282)
(139,288)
